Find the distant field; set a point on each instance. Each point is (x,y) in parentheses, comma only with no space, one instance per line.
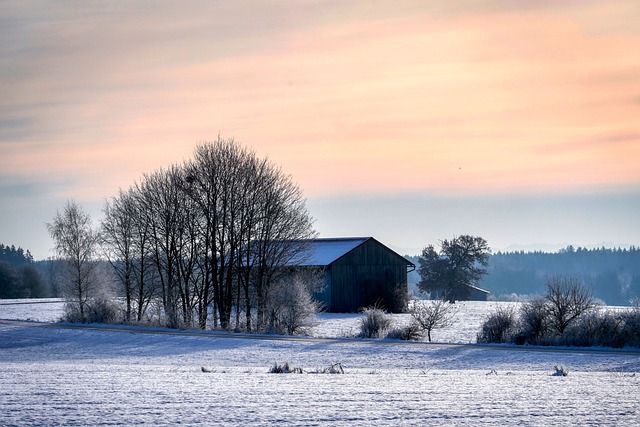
(41,309)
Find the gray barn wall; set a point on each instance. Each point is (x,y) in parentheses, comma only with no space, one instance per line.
(369,274)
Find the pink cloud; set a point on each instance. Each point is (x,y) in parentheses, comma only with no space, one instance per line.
(347,99)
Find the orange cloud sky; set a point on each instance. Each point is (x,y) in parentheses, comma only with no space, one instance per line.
(352,98)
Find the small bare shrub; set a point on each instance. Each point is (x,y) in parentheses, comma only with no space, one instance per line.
(335,368)
(498,327)
(560,371)
(96,310)
(410,332)
(631,327)
(290,304)
(104,310)
(284,368)
(375,323)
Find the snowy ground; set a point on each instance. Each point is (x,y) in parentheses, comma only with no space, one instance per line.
(468,318)
(58,376)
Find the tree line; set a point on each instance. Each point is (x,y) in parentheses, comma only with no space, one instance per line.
(207,241)
(19,275)
(612,273)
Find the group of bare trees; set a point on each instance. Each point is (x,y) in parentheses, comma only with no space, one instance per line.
(208,238)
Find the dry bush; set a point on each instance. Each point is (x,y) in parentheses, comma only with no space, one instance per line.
(534,322)
(375,323)
(290,304)
(284,368)
(335,368)
(410,332)
(499,327)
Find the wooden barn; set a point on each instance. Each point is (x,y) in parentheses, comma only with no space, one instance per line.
(478,294)
(358,272)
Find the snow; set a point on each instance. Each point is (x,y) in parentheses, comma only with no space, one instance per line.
(40,310)
(322,252)
(74,376)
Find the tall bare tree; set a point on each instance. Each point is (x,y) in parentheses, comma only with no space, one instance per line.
(126,242)
(76,242)
(118,238)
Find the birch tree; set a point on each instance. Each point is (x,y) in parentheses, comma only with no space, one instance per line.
(76,242)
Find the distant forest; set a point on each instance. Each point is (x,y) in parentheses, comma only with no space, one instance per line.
(612,274)
(20,275)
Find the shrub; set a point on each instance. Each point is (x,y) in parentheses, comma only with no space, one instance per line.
(410,332)
(595,329)
(290,304)
(631,327)
(96,310)
(560,371)
(534,322)
(499,327)
(335,368)
(104,310)
(567,298)
(375,323)
(284,369)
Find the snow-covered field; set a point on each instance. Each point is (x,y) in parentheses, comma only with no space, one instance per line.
(58,376)
(468,318)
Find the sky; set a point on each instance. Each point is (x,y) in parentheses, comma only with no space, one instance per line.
(408,121)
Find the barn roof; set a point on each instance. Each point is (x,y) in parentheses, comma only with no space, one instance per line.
(323,252)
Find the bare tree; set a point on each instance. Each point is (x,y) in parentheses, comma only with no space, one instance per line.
(432,314)
(76,242)
(118,240)
(285,224)
(125,239)
(567,298)
(162,201)
(252,216)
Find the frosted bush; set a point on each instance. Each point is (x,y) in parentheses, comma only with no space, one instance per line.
(335,368)
(284,368)
(97,310)
(499,327)
(631,327)
(410,332)
(375,323)
(534,322)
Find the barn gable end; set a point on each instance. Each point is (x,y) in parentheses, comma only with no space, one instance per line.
(358,272)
